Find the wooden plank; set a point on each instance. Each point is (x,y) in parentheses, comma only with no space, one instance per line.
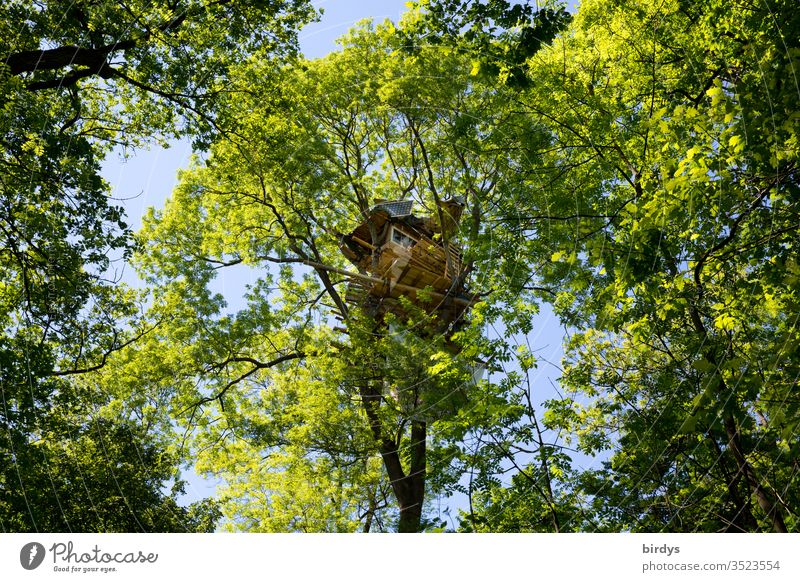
(363,243)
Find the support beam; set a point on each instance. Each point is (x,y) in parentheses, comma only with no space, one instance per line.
(399,286)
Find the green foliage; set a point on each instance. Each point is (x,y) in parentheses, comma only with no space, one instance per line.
(142,69)
(525,506)
(68,465)
(668,229)
(76,79)
(274,386)
(637,171)
(499,36)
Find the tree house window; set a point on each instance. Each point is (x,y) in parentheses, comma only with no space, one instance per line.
(402,238)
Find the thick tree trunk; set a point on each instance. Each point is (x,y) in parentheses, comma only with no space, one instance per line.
(408,488)
(411,507)
(410,518)
(61,57)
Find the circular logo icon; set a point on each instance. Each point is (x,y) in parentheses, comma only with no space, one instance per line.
(31,555)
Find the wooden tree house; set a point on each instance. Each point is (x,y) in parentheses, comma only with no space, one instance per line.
(401,254)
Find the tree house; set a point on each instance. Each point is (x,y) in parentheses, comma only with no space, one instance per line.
(405,255)
(399,254)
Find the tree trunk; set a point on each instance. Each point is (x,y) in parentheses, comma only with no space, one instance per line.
(744,468)
(410,518)
(411,506)
(744,520)
(765,502)
(409,489)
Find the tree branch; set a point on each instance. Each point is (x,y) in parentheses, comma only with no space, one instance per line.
(65,56)
(257,365)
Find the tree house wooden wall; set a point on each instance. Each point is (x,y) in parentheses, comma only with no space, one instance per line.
(404,254)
